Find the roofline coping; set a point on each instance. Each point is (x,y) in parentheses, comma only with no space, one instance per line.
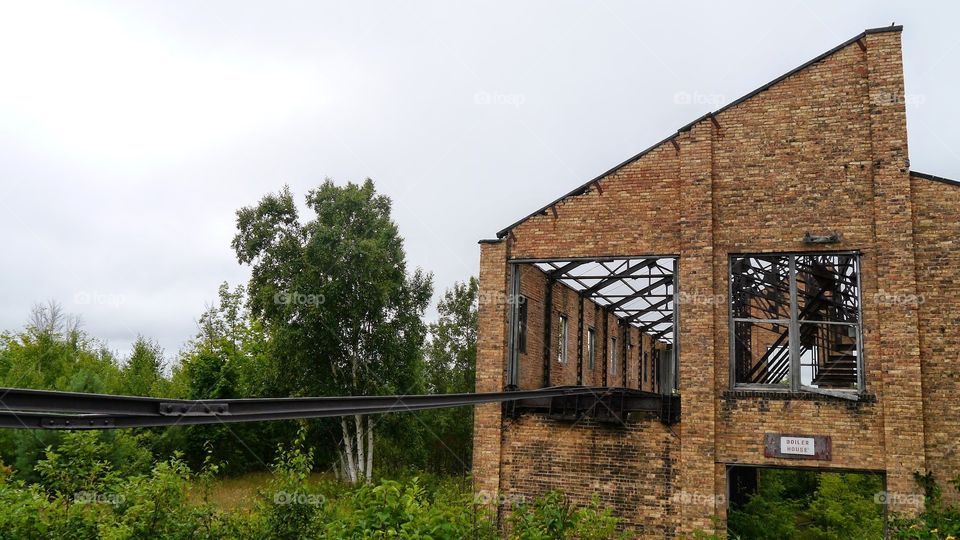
(941,179)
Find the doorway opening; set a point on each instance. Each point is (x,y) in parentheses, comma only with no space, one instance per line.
(797,503)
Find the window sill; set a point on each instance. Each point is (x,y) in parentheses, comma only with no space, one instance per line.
(775,394)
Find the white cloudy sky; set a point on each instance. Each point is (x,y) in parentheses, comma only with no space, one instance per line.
(130,132)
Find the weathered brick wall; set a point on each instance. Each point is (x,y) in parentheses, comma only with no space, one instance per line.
(638,213)
(632,470)
(697,329)
(533,285)
(822,150)
(491,365)
(896,271)
(792,159)
(936,219)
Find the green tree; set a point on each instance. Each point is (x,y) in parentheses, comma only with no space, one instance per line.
(143,371)
(452,348)
(336,296)
(450,368)
(228,359)
(52,352)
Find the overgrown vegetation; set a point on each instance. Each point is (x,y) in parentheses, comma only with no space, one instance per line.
(80,495)
(807,505)
(331,309)
(940,520)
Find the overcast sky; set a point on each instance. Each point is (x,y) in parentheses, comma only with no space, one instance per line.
(131,132)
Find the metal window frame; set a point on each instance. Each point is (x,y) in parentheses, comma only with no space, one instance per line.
(793,324)
(591,348)
(562,353)
(523,322)
(513,356)
(613,355)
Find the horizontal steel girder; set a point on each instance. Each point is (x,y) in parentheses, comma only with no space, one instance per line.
(43,409)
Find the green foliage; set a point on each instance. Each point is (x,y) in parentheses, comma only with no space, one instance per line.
(228,359)
(172,503)
(845,506)
(807,505)
(392,509)
(451,355)
(290,507)
(938,521)
(334,294)
(143,371)
(51,352)
(79,464)
(334,290)
(554,517)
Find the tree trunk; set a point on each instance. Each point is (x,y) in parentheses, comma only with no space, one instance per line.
(369,448)
(351,470)
(361,459)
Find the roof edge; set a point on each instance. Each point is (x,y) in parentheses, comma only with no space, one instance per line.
(584,187)
(940,179)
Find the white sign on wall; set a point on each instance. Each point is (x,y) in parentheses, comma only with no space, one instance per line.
(798,446)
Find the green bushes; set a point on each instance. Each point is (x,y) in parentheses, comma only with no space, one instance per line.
(81,494)
(811,505)
(938,521)
(552,517)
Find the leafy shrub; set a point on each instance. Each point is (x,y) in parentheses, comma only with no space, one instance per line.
(393,509)
(81,496)
(939,520)
(810,505)
(553,516)
(290,508)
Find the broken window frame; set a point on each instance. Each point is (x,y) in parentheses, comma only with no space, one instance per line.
(522,323)
(794,323)
(591,348)
(613,355)
(563,334)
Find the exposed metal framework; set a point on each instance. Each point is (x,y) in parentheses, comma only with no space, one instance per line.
(607,405)
(43,409)
(795,322)
(640,291)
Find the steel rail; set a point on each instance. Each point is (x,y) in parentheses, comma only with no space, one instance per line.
(42,409)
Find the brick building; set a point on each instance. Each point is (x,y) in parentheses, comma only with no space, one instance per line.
(771,285)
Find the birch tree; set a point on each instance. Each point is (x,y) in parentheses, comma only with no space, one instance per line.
(336,293)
